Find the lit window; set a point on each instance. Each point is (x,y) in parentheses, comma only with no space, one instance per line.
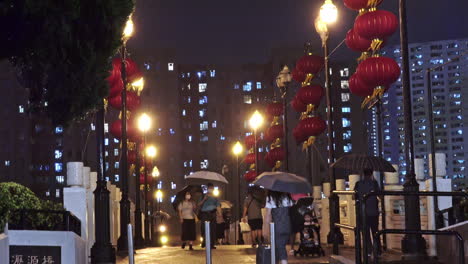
(107,153)
(347,147)
(116,178)
(170,66)
(147,66)
(106,128)
(247,99)
(116,152)
(173,198)
(247,87)
(173,186)
(21,109)
(189,138)
(106,141)
(202,87)
(346,122)
(204,126)
(116,165)
(236,86)
(190,164)
(344,84)
(93,127)
(60,179)
(7,163)
(202,112)
(344,72)
(171,131)
(159,186)
(204,164)
(58,154)
(184,113)
(222,137)
(259,85)
(58,167)
(203,100)
(347,135)
(116,140)
(212,73)
(58,130)
(185,164)
(213,125)
(204,138)
(189,99)
(345,97)
(346,109)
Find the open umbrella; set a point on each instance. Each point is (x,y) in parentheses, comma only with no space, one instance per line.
(205,177)
(283,182)
(359,162)
(195,190)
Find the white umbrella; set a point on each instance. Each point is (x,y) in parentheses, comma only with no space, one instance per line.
(204,177)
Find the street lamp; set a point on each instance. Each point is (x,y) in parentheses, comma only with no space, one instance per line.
(255,122)
(124,202)
(144,123)
(150,153)
(282,81)
(155,172)
(237,149)
(328,15)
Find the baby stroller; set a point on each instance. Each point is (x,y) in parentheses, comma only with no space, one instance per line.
(310,233)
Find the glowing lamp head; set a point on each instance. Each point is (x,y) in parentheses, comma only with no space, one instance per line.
(162,228)
(139,84)
(328,12)
(237,148)
(155,172)
(144,122)
(128,30)
(159,194)
(151,151)
(216,192)
(256,120)
(164,240)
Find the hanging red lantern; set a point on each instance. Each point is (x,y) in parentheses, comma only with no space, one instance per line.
(361,4)
(250,158)
(133,101)
(249,141)
(357,43)
(116,88)
(131,69)
(376,26)
(311,94)
(131,157)
(379,71)
(116,130)
(310,64)
(312,126)
(298,75)
(277,154)
(298,134)
(274,109)
(358,87)
(275,132)
(250,176)
(298,105)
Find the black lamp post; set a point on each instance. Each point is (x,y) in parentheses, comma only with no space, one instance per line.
(237,150)
(139,242)
(144,125)
(102,250)
(414,245)
(282,81)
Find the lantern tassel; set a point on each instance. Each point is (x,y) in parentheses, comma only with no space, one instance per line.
(276,143)
(376,44)
(309,142)
(277,165)
(308,79)
(275,121)
(365,102)
(363,56)
(252,166)
(372,3)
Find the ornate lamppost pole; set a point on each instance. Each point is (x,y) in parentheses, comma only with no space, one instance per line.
(282,81)
(150,153)
(328,15)
(144,125)
(255,122)
(237,149)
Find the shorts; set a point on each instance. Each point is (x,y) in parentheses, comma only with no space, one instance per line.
(256,224)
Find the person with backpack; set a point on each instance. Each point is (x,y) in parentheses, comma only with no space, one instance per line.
(364,186)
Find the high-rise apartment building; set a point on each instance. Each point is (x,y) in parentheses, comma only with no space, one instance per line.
(449,72)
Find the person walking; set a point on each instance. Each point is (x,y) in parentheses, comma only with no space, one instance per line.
(364,186)
(187,218)
(277,210)
(252,215)
(209,208)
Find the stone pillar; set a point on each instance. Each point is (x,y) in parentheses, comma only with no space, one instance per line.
(419,169)
(90,209)
(394,208)
(325,213)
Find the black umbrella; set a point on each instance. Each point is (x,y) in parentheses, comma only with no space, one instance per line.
(283,182)
(304,205)
(359,162)
(195,190)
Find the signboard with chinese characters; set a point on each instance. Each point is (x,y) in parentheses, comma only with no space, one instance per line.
(35,255)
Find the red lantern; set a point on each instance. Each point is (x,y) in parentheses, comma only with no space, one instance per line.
(310,64)
(298,134)
(297,105)
(377,24)
(277,154)
(116,130)
(358,87)
(250,158)
(357,43)
(311,94)
(250,176)
(298,75)
(378,71)
(131,157)
(131,69)
(275,109)
(275,132)
(360,4)
(249,141)
(116,88)
(312,126)
(133,101)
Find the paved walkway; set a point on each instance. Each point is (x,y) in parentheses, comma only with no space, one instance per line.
(221,255)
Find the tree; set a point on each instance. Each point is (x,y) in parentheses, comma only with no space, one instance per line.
(62,51)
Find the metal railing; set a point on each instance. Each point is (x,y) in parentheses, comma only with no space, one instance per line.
(400,193)
(32,219)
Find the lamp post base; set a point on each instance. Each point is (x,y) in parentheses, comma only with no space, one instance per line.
(103,254)
(122,242)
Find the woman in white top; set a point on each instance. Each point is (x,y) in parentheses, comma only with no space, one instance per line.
(187,218)
(277,211)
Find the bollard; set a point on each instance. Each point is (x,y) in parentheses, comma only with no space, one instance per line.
(208,242)
(131,256)
(272,243)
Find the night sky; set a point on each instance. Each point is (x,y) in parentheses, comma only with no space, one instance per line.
(224,31)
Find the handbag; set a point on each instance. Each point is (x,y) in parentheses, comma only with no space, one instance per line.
(244,227)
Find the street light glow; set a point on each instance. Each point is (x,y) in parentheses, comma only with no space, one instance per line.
(320,26)
(162,228)
(144,122)
(256,120)
(237,148)
(328,12)
(216,192)
(155,172)
(159,194)
(139,84)
(164,240)
(128,30)
(151,151)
